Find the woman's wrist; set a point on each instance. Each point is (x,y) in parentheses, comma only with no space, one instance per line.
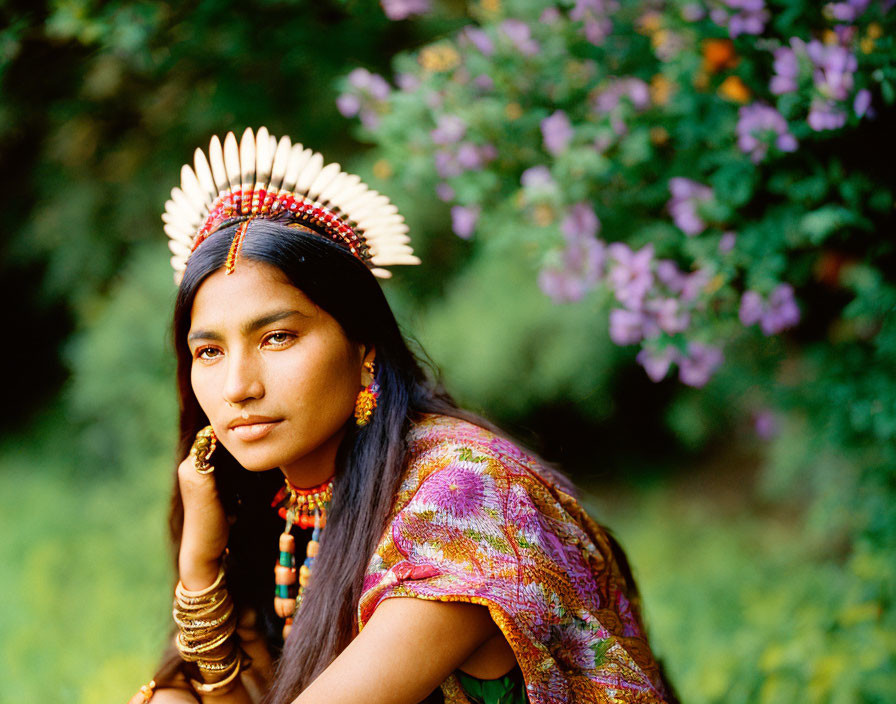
(196,572)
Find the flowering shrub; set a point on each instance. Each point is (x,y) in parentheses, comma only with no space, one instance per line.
(716,176)
(684,125)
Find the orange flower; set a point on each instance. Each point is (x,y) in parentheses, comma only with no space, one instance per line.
(660,89)
(719,54)
(734,89)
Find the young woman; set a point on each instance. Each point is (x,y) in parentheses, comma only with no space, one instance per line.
(343,532)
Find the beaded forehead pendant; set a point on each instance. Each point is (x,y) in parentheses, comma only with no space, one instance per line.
(261,177)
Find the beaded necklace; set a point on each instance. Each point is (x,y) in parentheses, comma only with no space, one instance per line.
(306,508)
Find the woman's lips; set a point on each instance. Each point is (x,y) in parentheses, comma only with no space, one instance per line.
(253,431)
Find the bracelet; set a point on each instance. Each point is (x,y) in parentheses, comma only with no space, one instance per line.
(221,686)
(188,595)
(148,690)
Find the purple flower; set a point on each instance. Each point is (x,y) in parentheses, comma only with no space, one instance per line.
(848,11)
(407,82)
(668,314)
(765,424)
(782,311)
(348,104)
(686,198)
(581,263)
(751,307)
(657,362)
(595,14)
(779,312)
(670,275)
(693,283)
(787,67)
(631,276)
(479,39)
(862,103)
(557,132)
(636,90)
(581,222)
(834,69)
(369,118)
(549,16)
(626,326)
(445,192)
(402,9)
(741,16)
(468,156)
(537,178)
(727,241)
(463,220)
(520,35)
(757,125)
(825,115)
(484,82)
(697,366)
(359,78)
(449,129)
(446,164)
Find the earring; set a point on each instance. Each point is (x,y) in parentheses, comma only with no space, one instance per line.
(367,398)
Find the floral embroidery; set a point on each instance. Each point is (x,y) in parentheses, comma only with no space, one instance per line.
(476,519)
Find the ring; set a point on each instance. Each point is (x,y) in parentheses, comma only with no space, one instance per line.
(202,450)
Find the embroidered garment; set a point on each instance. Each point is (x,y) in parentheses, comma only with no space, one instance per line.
(477,520)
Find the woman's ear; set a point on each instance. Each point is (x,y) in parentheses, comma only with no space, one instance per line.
(367,364)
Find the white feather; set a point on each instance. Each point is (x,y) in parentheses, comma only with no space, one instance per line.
(232,161)
(381,273)
(281,158)
(206,180)
(185,208)
(308,173)
(216,157)
(324,179)
(178,248)
(176,233)
(247,161)
(298,157)
(189,184)
(337,186)
(264,158)
(178,263)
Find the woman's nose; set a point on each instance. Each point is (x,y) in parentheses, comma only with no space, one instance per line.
(243,381)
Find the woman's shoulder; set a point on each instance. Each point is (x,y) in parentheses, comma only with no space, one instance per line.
(436,439)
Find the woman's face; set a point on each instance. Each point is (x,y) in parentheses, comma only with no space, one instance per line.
(262,349)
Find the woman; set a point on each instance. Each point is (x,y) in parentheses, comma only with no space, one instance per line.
(291,367)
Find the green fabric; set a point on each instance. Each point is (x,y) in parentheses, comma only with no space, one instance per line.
(509,689)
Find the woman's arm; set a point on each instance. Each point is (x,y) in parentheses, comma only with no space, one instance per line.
(407,649)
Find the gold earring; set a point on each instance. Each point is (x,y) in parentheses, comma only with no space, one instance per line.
(203,447)
(367,399)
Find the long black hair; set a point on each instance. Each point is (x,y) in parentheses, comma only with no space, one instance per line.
(370,461)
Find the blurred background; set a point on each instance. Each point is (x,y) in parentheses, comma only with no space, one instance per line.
(658,246)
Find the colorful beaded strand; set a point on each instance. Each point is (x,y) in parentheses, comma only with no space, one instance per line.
(306,508)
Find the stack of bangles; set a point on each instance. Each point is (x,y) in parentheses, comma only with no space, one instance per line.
(207,622)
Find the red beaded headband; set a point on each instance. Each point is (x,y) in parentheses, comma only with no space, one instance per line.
(264,178)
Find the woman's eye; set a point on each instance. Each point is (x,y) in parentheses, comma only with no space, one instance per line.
(207,353)
(278,339)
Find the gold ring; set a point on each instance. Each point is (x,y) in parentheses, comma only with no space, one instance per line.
(202,450)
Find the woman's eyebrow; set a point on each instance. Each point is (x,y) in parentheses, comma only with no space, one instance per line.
(247,328)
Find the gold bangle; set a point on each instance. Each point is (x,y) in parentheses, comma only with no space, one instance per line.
(188,623)
(187,593)
(222,686)
(194,651)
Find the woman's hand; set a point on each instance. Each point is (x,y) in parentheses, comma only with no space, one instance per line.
(205,526)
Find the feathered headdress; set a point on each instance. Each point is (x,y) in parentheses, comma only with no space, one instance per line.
(263,177)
